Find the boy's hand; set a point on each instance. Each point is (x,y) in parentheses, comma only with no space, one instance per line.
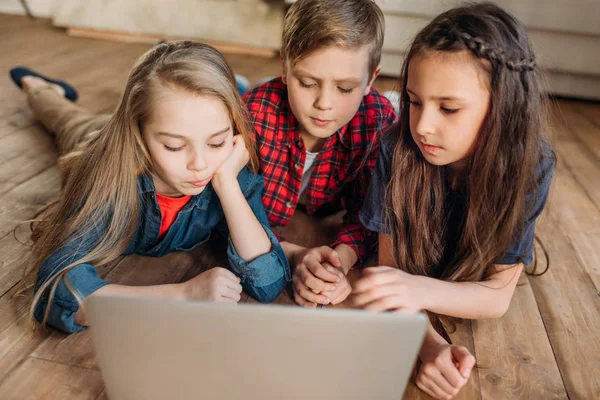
(311,277)
(445,370)
(343,286)
(388,289)
(217,284)
(232,166)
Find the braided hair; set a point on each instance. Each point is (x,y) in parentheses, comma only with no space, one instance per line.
(478,46)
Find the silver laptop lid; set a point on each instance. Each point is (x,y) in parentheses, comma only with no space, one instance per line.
(163,349)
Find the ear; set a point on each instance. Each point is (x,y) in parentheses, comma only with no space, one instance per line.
(283,69)
(375,75)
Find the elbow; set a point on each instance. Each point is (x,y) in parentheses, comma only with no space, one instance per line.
(268,293)
(267,297)
(500,309)
(263,295)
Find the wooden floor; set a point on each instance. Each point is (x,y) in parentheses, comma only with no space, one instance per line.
(546,346)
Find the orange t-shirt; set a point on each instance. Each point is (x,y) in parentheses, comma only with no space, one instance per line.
(169,207)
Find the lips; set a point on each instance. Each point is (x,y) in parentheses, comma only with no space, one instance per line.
(321,122)
(430,148)
(201,183)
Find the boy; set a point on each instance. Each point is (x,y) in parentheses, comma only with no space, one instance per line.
(317,130)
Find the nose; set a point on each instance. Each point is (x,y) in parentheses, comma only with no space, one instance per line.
(324,101)
(425,120)
(197,162)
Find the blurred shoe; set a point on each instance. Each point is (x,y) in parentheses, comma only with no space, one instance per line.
(243,84)
(18,73)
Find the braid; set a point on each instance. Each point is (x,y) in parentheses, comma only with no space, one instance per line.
(478,46)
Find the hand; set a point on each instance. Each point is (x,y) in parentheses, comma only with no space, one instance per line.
(311,277)
(445,370)
(217,284)
(232,166)
(388,289)
(343,289)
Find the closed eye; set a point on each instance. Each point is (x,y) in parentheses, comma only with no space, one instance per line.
(306,85)
(173,148)
(449,110)
(216,146)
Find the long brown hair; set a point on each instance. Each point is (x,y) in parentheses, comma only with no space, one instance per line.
(99,189)
(501,171)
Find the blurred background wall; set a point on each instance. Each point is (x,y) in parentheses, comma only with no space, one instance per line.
(565,34)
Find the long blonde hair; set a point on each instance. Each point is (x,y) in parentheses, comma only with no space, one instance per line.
(99,190)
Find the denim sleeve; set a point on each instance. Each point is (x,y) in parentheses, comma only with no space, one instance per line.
(372,213)
(266,276)
(521,249)
(83,279)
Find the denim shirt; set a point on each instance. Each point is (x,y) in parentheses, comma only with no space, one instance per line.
(263,278)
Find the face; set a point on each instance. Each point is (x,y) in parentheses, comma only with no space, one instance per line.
(449,99)
(326,88)
(188,138)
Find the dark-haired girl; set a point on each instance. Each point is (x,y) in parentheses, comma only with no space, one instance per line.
(459,182)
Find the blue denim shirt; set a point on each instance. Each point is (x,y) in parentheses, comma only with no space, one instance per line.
(263,278)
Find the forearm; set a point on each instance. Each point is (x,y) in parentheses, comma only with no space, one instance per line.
(469,300)
(348,257)
(168,291)
(291,250)
(432,338)
(246,233)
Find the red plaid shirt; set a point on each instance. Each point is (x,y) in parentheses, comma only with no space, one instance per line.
(341,172)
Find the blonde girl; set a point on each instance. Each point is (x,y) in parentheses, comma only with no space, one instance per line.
(173,165)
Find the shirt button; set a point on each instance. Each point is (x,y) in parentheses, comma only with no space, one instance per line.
(289,204)
(298,166)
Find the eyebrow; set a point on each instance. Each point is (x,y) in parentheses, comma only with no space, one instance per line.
(452,98)
(354,81)
(176,136)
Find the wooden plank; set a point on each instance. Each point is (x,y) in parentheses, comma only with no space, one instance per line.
(572,203)
(17,338)
(514,352)
(570,308)
(24,154)
(20,118)
(588,109)
(41,379)
(573,126)
(17,206)
(24,200)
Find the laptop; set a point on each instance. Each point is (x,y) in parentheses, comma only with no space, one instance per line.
(165,349)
